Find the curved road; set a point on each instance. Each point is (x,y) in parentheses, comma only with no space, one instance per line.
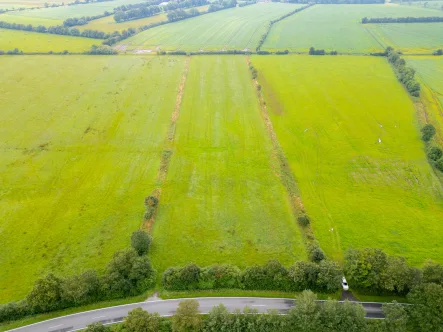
(116,314)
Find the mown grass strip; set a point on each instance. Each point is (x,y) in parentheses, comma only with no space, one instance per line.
(285,174)
(167,151)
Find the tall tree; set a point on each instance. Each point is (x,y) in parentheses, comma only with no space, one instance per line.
(187,317)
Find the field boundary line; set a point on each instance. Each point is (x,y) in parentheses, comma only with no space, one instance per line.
(284,172)
(167,150)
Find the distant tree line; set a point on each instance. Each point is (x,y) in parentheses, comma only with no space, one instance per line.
(308,314)
(313,51)
(434,152)
(150,8)
(101,50)
(116,36)
(265,35)
(180,14)
(221,4)
(246,3)
(405,74)
(56,30)
(438,52)
(70,22)
(324,276)
(15,51)
(128,273)
(434,19)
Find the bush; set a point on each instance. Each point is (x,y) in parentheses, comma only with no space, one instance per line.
(428,131)
(140,241)
(304,220)
(317,255)
(434,153)
(439,165)
(96,327)
(181,278)
(219,276)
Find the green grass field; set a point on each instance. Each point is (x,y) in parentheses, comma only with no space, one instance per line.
(80,147)
(335,27)
(410,38)
(236,28)
(42,43)
(430,71)
(222,201)
(108,24)
(47,22)
(348,129)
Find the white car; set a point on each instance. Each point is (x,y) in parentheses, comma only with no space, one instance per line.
(344,284)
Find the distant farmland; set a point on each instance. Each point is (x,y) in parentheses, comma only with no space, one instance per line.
(336,27)
(430,70)
(80,150)
(41,42)
(236,28)
(347,128)
(410,38)
(222,200)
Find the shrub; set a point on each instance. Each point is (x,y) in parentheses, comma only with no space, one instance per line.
(304,220)
(46,295)
(219,276)
(428,131)
(139,320)
(317,255)
(96,327)
(439,165)
(140,241)
(434,153)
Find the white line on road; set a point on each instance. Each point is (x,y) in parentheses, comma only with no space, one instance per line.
(53,327)
(258,305)
(99,317)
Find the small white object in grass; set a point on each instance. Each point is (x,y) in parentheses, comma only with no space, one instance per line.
(306,130)
(379,140)
(381,126)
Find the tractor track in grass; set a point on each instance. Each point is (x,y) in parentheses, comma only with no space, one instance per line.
(284,172)
(167,151)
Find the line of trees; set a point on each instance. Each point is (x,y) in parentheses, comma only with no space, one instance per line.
(56,30)
(324,276)
(116,36)
(308,314)
(405,74)
(265,35)
(15,51)
(433,19)
(128,273)
(180,14)
(137,11)
(434,152)
(70,22)
(246,3)
(222,4)
(313,51)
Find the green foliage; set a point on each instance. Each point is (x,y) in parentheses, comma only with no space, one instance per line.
(187,318)
(317,255)
(439,165)
(304,220)
(271,276)
(428,131)
(139,320)
(102,49)
(219,277)
(396,317)
(434,153)
(433,273)
(404,74)
(323,277)
(46,294)
(141,241)
(371,270)
(81,288)
(96,327)
(426,313)
(128,274)
(305,316)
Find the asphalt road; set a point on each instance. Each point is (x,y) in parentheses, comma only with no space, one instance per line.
(111,315)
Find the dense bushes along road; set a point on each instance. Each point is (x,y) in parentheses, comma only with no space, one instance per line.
(307,315)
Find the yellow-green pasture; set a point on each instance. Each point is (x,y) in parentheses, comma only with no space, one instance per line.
(80,143)
(27,41)
(35,21)
(338,27)
(222,201)
(349,131)
(430,70)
